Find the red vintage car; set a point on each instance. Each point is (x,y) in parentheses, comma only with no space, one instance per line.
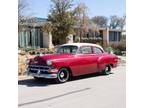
(72,60)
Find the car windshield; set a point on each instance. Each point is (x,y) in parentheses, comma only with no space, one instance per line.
(67,49)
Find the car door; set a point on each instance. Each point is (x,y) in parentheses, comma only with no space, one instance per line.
(97,52)
(87,63)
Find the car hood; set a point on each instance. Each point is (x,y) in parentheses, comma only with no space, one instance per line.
(54,56)
(41,60)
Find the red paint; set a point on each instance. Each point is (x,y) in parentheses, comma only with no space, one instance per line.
(80,63)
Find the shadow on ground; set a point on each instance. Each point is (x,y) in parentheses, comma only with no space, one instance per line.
(33,82)
(88,76)
(47,82)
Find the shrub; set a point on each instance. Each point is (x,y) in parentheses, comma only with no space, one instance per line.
(121,47)
(29,49)
(77,39)
(108,49)
(117,51)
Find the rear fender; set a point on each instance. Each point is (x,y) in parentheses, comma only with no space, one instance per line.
(101,63)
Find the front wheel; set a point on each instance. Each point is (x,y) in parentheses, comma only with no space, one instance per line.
(63,75)
(107,70)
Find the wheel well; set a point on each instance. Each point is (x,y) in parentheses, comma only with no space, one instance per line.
(111,65)
(69,70)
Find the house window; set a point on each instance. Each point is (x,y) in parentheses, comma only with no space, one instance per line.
(101,33)
(30,38)
(119,36)
(114,36)
(41,38)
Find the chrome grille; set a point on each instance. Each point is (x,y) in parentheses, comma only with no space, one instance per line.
(36,68)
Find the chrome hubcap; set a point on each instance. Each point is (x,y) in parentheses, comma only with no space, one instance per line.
(107,69)
(62,74)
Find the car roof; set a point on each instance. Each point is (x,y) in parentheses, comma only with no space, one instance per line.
(83,44)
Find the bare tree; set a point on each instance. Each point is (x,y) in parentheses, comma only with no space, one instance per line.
(122,22)
(114,22)
(117,22)
(81,13)
(25,15)
(100,21)
(22,6)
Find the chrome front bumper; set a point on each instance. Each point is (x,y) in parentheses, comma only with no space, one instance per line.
(49,76)
(41,71)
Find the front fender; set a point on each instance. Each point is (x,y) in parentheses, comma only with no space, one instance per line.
(60,63)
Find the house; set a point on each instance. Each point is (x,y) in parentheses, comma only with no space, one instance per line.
(32,35)
(104,36)
(111,36)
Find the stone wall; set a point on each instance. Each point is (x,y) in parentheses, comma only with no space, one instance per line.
(22,63)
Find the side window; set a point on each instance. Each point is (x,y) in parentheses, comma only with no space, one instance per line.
(97,50)
(86,50)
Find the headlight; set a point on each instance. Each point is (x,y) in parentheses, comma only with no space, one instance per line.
(49,62)
(27,61)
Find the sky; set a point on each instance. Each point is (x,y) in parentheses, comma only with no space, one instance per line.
(40,8)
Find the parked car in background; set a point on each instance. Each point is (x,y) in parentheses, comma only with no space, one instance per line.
(72,60)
